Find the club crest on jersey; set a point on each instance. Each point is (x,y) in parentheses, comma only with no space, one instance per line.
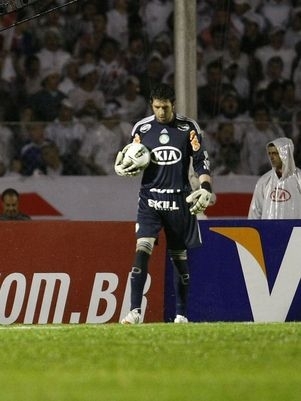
(145,128)
(164,139)
(183,127)
(166,155)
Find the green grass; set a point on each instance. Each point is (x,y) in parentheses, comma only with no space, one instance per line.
(151,362)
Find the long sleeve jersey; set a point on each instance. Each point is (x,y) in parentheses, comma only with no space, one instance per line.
(171,152)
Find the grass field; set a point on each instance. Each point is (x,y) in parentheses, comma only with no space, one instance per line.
(151,362)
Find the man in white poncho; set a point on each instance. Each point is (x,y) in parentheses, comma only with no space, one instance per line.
(277,193)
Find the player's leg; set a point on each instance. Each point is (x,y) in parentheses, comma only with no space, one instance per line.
(144,248)
(147,229)
(182,232)
(181,283)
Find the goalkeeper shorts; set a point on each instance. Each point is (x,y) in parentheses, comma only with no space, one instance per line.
(168,211)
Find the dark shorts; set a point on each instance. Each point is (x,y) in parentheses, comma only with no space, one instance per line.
(169,211)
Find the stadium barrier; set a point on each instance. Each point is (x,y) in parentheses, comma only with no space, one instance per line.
(246,270)
(113,198)
(78,272)
(72,272)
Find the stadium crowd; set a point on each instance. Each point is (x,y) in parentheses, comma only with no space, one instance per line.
(74,81)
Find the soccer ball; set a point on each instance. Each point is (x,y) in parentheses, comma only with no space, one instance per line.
(136,154)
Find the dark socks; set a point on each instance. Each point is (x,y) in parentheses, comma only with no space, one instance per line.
(138,278)
(181,283)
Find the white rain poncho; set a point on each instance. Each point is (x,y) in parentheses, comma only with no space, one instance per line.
(278,198)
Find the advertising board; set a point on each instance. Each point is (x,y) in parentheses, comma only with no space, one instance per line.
(72,272)
(246,270)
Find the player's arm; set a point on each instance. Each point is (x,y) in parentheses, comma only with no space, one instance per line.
(202,197)
(126,169)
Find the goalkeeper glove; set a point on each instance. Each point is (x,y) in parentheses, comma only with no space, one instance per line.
(200,199)
(129,169)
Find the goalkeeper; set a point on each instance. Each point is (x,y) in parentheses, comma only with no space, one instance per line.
(165,198)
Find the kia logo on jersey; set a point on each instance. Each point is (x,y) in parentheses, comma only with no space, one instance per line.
(280,195)
(165,155)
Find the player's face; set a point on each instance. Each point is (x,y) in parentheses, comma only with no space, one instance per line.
(163,110)
(274,157)
(10,205)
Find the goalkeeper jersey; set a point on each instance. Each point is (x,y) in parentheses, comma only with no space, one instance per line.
(171,153)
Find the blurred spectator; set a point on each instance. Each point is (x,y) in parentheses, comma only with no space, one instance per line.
(92,40)
(276,12)
(231,111)
(9,103)
(111,69)
(153,75)
(85,17)
(293,32)
(31,154)
(87,56)
(52,54)
(135,58)
(46,102)
(234,54)
(133,104)
(215,50)
(22,41)
(162,44)
(209,95)
(276,47)
(55,21)
(240,9)
(70,76)
(8,72)
(32,75)
(117,23)
(66,131)
(72,26)
(21,135)
(259,132)
(56,165)
(86,98)
(200,66)
(218,20)
(253,33)
(6,146)
(296,71)
(289,108)
(101,145)
(296,136)
(224,150)
(238,80)
(274,73)
(155,14)
(273,98)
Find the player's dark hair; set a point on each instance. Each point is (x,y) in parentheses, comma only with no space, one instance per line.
(10,192)
(162,92)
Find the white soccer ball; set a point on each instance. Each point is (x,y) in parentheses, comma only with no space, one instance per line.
(137,154)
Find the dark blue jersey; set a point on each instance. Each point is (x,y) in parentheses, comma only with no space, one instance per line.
(171,152)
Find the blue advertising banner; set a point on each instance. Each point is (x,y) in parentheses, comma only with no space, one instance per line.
(245,270)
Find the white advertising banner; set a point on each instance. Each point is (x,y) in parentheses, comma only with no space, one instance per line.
(112,198)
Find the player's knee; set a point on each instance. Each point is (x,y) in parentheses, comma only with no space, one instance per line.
(145,245)
(178,254)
